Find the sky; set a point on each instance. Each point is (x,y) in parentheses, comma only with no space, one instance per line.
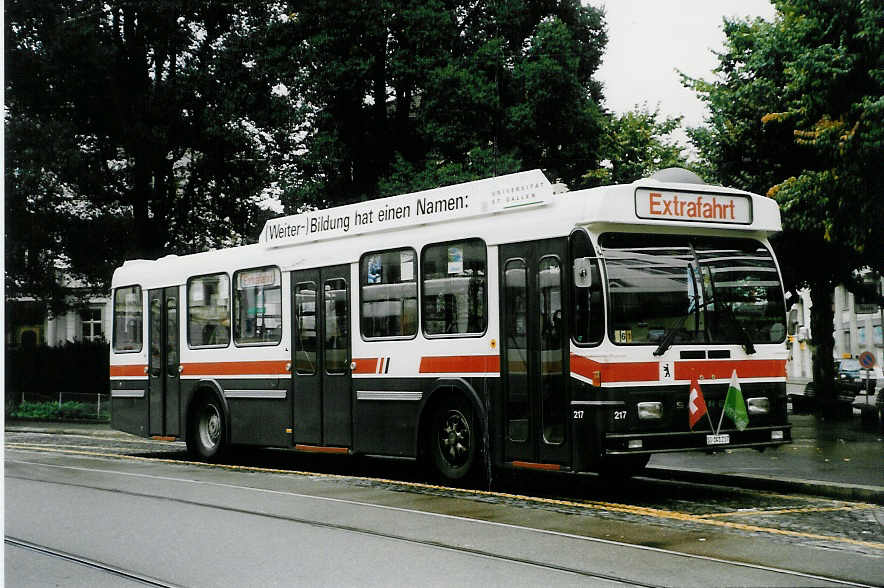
(648,40)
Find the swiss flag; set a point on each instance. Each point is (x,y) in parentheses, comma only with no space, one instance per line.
(696,403)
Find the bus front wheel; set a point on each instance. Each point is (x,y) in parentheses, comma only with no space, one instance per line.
(206,436)
(453,441)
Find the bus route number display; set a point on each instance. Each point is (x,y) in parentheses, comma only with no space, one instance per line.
(694,207)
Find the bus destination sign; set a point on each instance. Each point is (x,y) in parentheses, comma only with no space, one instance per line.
(514,191)
(693,206)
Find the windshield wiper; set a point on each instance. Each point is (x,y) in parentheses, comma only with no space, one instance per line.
(747,339)
(669,337)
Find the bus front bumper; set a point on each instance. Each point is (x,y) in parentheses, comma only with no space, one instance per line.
(758,437)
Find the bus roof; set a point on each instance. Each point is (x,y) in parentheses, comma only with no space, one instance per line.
(512,208)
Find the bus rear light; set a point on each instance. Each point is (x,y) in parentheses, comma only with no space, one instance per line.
(634,444)
(776,435)
(650,411)
(759,405)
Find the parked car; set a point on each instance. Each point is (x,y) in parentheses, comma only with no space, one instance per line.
(869,399)
(848,376)
(846,388)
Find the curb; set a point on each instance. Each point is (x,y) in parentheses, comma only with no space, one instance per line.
(62,430)
(836,490)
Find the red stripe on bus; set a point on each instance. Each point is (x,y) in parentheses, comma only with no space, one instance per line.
(235,368)
(127,370)
(318,449)
(722,369)
(638,371)
(530,465)
(365,365)
(455,364)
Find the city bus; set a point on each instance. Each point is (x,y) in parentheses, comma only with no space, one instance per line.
(505,322)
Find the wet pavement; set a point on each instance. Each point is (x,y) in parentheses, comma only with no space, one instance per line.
(833,458)
(841,457)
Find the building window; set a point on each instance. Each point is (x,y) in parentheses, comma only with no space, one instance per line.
(388,294)
(128,317)
(257,307)
(90,319)
(454,288)
(861,336)
(208,311)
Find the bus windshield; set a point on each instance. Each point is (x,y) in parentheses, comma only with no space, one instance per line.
(692,289)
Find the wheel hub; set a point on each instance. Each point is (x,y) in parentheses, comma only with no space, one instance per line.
(454,438)
(210,427)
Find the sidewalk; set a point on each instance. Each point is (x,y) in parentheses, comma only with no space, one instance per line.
(836,459)
(62,428)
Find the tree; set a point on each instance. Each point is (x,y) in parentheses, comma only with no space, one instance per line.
(146,128)
(399,89)
(134,129)
(795,114)
(635,145)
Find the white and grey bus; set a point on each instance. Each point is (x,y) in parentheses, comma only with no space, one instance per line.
(503,321)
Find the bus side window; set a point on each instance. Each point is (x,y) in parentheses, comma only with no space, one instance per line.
(388,294)
(208,311)
(127,319)
(588,318)
(454,288)
(257,306)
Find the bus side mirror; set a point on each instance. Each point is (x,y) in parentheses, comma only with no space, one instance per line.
(583,272)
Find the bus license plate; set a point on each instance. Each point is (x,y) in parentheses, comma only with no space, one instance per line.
(718,439)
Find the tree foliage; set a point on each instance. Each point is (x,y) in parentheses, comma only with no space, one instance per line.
(133,129)
(635,145)
(795,113)
(399,93)
(137,129)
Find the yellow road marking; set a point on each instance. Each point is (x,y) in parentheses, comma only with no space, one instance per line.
(17,445)
(754,511)
(592,505)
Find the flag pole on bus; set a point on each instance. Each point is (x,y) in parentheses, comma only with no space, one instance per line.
(734,405)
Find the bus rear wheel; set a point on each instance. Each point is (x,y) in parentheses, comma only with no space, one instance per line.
(206,438)
(453,441)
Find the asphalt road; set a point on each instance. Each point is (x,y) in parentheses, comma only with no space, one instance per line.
(161,519)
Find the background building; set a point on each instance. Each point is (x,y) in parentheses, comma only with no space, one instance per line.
(29,322)
(856,328)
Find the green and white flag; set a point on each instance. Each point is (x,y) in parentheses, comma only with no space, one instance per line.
(734,405)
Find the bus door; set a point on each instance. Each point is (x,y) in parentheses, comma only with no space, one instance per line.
(321,357)
(534,351)
(164,359)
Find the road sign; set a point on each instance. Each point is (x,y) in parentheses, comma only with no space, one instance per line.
(867,360)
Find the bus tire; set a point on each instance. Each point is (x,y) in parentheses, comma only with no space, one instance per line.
(621,467)
(206,434)
(453,438)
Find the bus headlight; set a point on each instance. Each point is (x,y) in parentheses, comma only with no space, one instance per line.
(650,411)
(758,405)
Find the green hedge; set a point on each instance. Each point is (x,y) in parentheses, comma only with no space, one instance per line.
(52,411)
